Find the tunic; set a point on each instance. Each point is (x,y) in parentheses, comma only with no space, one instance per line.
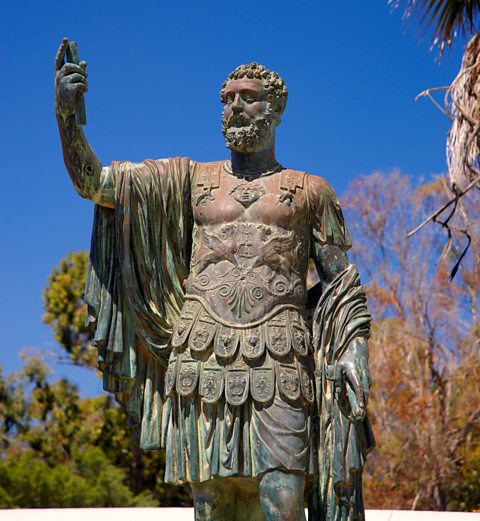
(239,379)
(196,292)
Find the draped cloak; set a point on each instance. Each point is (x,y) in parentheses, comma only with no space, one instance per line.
(139,260)
(340,316)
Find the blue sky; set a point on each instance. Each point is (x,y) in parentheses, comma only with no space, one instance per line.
(155,69)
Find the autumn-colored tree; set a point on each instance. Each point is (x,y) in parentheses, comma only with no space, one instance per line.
(451,348)
(424,354)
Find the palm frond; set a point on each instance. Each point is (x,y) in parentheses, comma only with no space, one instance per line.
(446,19)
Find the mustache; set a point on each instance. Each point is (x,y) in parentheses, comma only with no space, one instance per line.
(238,120)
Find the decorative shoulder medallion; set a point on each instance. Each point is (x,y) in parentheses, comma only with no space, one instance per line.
(290,180)
(248,193)
(207,180)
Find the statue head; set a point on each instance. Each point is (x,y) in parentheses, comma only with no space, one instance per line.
(254,99)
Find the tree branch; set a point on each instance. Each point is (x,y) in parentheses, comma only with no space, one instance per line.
(445,206)
(472,420)
(433,100)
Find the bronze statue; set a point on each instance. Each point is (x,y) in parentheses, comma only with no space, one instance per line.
(205,331)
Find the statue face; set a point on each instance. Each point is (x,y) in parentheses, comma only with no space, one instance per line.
(247,119)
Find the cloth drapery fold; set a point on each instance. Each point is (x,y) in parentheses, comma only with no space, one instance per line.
(139,258)
(341,316)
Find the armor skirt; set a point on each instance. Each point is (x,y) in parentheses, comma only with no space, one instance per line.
(243,414)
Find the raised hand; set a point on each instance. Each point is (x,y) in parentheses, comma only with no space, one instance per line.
(70,81)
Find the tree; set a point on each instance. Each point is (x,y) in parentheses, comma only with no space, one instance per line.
(48,454)
(65,309)
(58,449)
(448,19)
(424,350)
(61,450)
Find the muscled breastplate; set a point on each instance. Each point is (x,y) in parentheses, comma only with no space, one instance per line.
(250,244)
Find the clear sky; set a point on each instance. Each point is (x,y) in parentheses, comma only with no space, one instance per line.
(155,70)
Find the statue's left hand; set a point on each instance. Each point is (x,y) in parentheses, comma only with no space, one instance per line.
(354,367)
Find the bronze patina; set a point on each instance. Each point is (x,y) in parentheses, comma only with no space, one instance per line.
(206,333)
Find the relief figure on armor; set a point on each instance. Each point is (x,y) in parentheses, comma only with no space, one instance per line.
(197,302)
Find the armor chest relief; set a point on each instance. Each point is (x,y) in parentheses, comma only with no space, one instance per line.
(250,245)
(277,199)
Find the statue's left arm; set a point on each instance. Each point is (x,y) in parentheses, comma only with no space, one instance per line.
(329,253)
(340,327)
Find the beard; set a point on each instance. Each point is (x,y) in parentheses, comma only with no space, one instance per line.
(245,135)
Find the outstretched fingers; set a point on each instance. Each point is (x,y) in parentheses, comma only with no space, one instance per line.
(60,57)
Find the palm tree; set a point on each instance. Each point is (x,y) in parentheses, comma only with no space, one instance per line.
(447,20)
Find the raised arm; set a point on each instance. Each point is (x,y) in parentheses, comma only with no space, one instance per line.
(89,179)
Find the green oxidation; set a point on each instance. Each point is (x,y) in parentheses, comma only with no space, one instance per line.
(341,318)
(139,264)
(135,294)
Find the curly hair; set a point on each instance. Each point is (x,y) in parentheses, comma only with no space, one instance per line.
(273,84)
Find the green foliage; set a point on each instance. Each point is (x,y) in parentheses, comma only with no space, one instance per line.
(65,308)
(88,480)
(61,450)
